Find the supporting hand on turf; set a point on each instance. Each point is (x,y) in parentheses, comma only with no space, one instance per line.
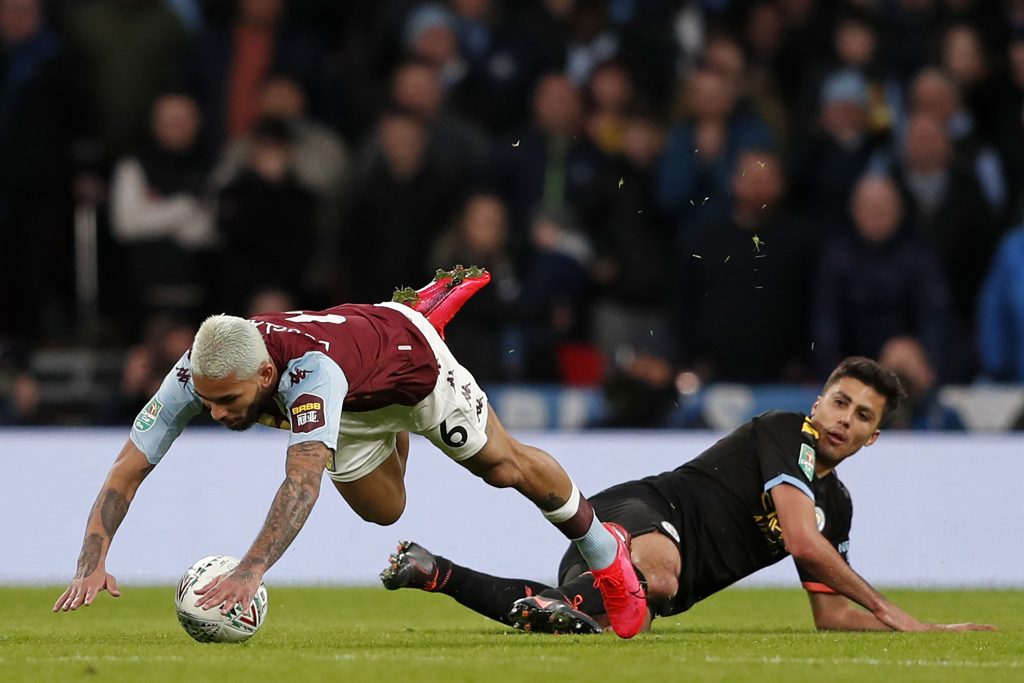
(84,589)
(964,627)
(227,590)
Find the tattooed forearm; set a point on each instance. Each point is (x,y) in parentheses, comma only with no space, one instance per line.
(112,510)
(289,511)
(90,557)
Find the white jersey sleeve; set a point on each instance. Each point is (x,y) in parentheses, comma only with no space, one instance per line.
(312,391)
(171,408)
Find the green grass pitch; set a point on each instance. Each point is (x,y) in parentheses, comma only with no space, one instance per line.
(369,634)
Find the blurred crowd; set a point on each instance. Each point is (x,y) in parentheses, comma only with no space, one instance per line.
(667,192)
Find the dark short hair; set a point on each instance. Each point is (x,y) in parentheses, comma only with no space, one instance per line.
(885,382)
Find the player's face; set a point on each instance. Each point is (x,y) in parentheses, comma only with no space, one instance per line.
(847,417)
(233,402)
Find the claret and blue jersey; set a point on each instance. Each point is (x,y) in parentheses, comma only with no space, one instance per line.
(353,357)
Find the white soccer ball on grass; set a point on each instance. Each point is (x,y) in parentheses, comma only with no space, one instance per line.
(210,626)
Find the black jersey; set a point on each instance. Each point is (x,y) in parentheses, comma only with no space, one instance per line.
(720,503)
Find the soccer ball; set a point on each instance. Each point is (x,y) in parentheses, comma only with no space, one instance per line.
(210,626)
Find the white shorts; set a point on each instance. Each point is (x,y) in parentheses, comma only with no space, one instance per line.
(453,416)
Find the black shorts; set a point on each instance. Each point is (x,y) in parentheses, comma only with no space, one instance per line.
(638,507)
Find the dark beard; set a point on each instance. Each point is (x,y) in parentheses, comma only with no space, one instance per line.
(251,417)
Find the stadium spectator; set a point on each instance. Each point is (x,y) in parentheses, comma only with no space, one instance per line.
(762,33)
(321,163)
(965,60)
(934,93)
(130,51)
(164,339)
(20,404)
(550,163)
(610,93)
(856,47)
(503,59)
(430,35)
(42,115)
(805,40)
(724,55)
(551,310)
(270,299)
(765,491)
(878,283)
(19,389)
(912,27)
(842,148)
(161,216)
(416,89)
(921,409)
(947,208)
(228,65)
(744,276)
(593,40)
(1010,124)
(1000,328)
(402,197)
(633,260)
(481,334)
(252,209)
(639,390)
(701,152)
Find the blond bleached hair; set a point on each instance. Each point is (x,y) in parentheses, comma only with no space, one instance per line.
(228,345)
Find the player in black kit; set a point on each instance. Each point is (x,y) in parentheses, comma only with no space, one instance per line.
(765,491)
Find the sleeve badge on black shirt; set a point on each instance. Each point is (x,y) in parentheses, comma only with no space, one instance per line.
(806,461)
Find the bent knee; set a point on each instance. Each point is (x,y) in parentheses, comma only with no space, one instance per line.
(661,586)
(384,514)
(383,517)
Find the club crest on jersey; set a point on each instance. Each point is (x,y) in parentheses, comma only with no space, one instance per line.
(147,416)
(806,461)
(307,413)
(819,518)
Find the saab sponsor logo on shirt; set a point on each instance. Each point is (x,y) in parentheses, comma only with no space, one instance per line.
(147,416)
(307,413)
(806,461)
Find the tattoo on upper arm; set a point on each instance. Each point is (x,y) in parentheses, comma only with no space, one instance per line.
(307,449)
(112,510)
(90,557)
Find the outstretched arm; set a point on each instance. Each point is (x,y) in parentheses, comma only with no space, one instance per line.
(304,468)
(814,552)
(123,480)
(835,612)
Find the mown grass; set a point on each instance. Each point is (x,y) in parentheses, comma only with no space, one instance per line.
(368,634)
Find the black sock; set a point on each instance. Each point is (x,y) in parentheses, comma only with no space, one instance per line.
(580,593)
(491,596)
